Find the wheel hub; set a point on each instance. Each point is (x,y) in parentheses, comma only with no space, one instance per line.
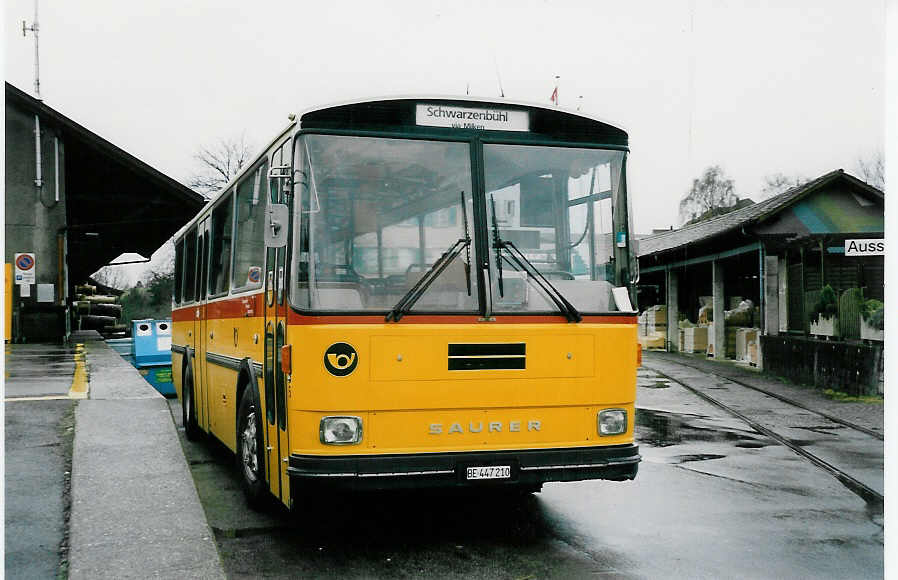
(249,449)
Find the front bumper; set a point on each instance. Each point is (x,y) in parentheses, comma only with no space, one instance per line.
(529,467)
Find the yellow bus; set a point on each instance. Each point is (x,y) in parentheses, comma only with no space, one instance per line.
(415,292)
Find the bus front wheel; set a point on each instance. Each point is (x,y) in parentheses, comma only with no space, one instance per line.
(250,459)
(188,408)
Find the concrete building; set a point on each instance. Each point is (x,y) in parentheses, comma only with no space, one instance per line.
(74,202)
(762,270)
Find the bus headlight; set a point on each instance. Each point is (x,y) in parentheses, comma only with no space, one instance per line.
(340,430)
(612,422)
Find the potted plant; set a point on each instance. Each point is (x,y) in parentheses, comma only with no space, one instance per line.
(823,316)
(872,321)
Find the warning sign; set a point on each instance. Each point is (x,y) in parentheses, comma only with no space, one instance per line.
(25,267)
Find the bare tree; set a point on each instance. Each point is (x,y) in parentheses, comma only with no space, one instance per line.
(873,170)
(777,183)
(711,195)
(219,163)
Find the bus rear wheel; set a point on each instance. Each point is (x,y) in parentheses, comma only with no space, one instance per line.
(250,446)
(188,408)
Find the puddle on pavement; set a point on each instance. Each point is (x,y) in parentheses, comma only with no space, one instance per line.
(651,380)
(697,457)
(663,429)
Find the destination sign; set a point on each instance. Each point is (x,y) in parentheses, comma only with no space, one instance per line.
(455,117)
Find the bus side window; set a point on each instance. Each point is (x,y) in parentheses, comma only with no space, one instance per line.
(190,266)
(220,264)
(278,158)
(282,255)
(249,231)
(179,271)
(302,201)
(202,265)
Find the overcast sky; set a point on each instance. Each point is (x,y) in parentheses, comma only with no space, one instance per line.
(757,87)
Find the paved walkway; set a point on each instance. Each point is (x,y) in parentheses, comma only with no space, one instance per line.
(868,415)
(135,512)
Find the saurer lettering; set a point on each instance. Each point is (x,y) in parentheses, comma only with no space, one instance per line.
(478,426)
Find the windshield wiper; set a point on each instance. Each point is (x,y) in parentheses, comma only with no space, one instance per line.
(518,259)
(415,292)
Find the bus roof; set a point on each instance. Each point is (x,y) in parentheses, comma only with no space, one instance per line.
(399,112)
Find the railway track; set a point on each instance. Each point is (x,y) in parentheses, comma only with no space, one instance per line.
(866,491)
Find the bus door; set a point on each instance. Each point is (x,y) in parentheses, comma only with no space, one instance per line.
(200,379)
(277,445)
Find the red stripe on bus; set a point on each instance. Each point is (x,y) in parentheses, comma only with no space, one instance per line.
(183,314)
(297,318)
(249,306)
(237,307)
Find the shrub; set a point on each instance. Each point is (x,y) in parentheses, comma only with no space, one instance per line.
(872,312)
(827,305)
(151,299)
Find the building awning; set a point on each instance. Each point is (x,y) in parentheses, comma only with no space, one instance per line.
(796,212)
(115,203)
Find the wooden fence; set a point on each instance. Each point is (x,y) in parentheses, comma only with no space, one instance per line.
(850,367)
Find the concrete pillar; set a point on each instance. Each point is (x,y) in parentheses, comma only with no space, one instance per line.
(673,327)
(720,344)
(782,292)
(771,296)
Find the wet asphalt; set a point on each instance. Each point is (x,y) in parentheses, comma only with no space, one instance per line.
(37,370)
(713,499)
(38,447)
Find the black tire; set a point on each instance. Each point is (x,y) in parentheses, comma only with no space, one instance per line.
(250,450)
(188,407)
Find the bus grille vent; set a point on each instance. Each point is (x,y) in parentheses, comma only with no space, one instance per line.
(487,356)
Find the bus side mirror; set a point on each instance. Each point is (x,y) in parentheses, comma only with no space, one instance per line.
(276,225)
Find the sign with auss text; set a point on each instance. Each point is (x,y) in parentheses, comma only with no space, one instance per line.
(869,247)
(454,117)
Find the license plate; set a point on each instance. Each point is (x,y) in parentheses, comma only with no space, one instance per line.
(489,472)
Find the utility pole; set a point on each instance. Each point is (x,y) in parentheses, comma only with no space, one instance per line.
(34,28)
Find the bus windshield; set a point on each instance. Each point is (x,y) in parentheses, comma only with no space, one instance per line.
(374,214)
(563,209)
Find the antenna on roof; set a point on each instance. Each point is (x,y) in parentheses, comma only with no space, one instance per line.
(34,28)
(499,77)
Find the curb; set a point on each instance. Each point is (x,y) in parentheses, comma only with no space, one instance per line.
(135,510)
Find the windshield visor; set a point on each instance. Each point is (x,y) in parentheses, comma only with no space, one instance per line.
(373,215)
(559,207)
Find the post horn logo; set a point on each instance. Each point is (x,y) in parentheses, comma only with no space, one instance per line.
(340,359)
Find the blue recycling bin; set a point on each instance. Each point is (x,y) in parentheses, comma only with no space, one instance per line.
(151,352)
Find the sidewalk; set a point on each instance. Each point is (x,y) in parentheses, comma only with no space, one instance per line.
(135,511)
(870,415)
